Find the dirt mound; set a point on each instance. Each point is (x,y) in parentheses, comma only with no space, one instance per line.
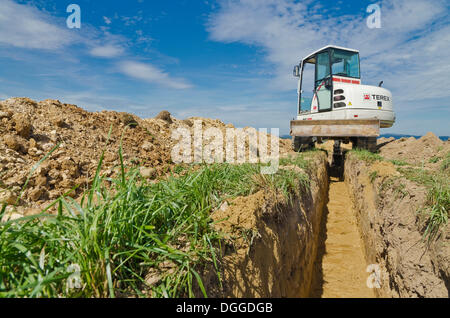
(164,115)
(383,140)
(415,151)
(384,169)
(30,130)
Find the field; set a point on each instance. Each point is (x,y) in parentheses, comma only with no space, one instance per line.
(92,205)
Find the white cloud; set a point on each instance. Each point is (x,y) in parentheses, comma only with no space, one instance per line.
(107,51)
(107,20)
(24,26)
(151,74)
(133,20)
(409,52)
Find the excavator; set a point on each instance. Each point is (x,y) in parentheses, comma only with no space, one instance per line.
(341,108)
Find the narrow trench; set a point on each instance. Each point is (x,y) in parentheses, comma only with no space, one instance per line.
(340,268)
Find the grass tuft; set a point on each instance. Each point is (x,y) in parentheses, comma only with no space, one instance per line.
(366,155)
(399,162)
(372,176)
(434,159)
(438,199)
(446,162)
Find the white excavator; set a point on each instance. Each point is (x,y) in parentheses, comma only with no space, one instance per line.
(341,107)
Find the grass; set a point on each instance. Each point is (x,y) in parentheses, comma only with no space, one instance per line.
(436,212)
(437,207)
(394,183)
(290,179)
(446,162)
(114,236)
(366,155)
(434,159)
(297,160)
(249,235)
(124,228)
(401,191)
(398,162)
(372,176)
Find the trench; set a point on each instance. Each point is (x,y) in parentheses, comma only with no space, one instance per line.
(319,245)
(340,265)
(308,247)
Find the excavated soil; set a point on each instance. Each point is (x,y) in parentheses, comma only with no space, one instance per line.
(29,130)
(415,151)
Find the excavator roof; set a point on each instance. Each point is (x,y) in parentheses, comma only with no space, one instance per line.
(324,48)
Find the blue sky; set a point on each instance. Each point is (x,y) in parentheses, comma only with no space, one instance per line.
(230,60)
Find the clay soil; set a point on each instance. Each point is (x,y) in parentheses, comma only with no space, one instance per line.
(376,217)
(342,272)
(392,199)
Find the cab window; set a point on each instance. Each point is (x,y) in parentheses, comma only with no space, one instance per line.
(345,63)
(322,66)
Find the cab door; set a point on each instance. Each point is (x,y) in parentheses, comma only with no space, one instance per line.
(323,83)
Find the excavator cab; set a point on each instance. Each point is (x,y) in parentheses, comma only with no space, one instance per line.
(330,64)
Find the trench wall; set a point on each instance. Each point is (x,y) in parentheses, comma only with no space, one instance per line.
(393,235)
(277,254)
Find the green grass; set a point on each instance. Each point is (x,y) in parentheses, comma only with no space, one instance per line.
(446,162)
(434,159)
(124,228)
(394,183)
(437,207)
(296,160)
(288,177)
(366,155)
(115,236)
(439,204)
(398,162)
(401,191)
(249,235)
(372,176)
(179,169)
(435,214)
